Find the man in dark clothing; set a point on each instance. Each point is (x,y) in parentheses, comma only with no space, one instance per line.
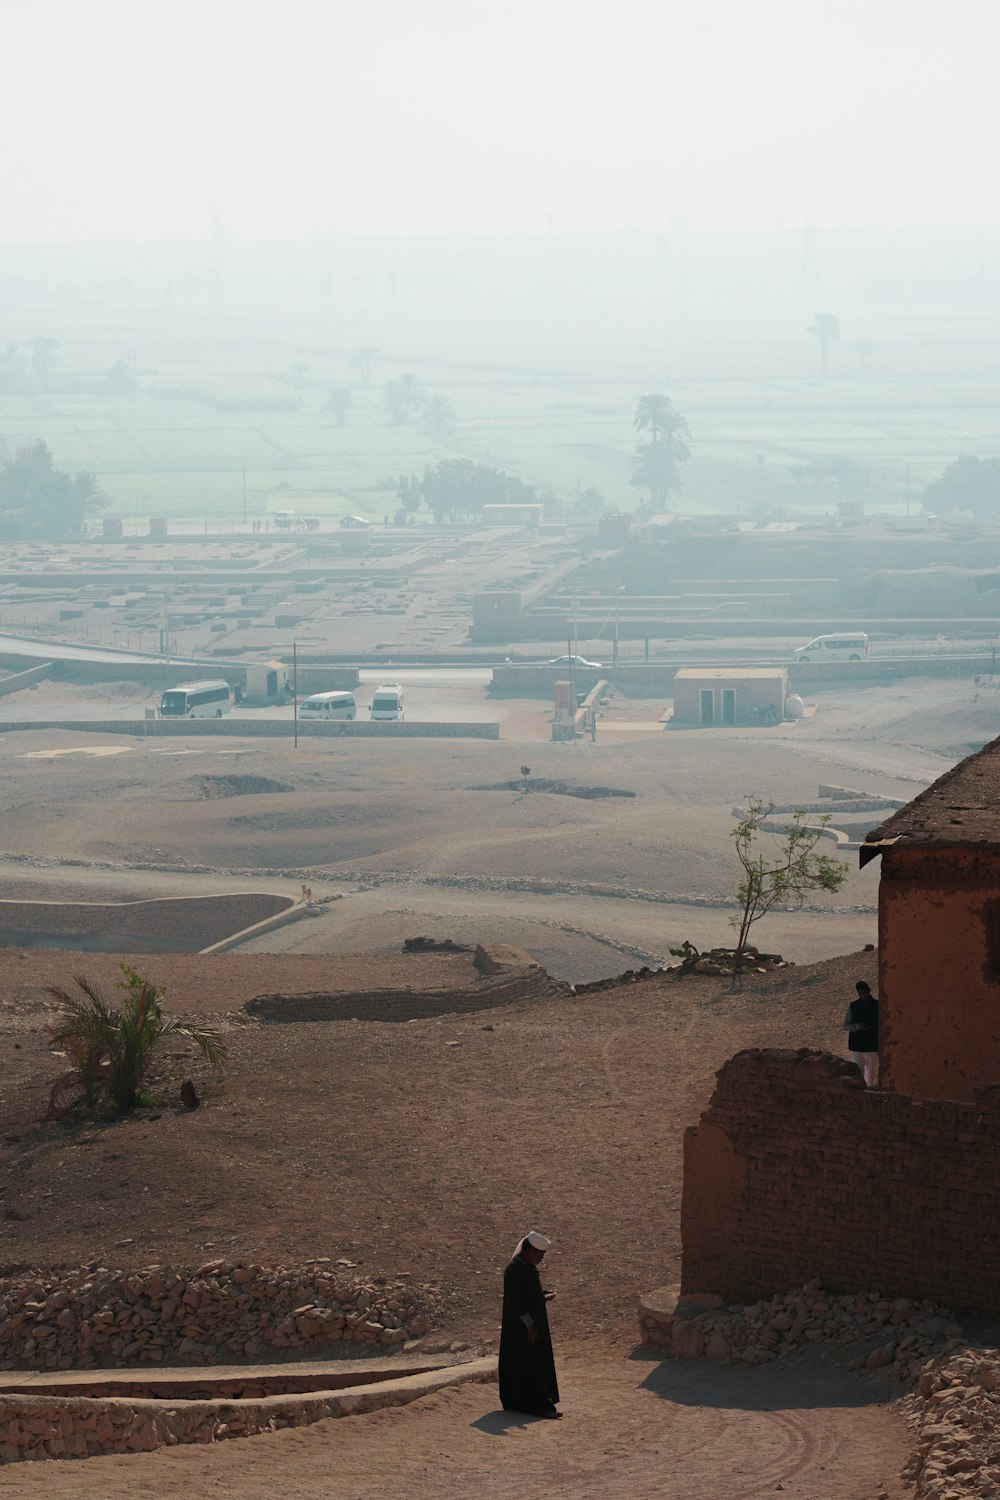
(861,1022)
(527,1366)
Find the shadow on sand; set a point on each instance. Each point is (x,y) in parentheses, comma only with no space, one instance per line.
(499,1423)
(800,1382)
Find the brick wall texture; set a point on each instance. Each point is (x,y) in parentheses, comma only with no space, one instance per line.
(796,1171)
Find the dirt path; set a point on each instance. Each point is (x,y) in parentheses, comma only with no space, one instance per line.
(634,1427)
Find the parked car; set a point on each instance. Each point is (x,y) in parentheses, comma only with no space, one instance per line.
(357,522)
(571,661)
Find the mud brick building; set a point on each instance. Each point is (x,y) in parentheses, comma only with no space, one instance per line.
(796,1170)
(939,934)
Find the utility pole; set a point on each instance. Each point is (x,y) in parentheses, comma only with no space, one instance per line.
(295,693)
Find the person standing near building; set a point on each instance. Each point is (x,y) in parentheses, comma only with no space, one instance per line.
(527,1364)
(861,1024)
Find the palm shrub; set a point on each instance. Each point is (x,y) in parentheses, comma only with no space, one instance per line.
(112,1045)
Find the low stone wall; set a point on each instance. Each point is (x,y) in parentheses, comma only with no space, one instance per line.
(407,1004)
(44,1426)
(224,1310)
(896,1333)
(956,1410)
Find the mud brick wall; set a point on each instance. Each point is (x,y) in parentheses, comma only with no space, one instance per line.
(797,1172)
(405,1004)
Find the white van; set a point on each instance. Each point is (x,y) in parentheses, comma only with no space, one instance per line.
(842,647)
(388,701)
(325,706)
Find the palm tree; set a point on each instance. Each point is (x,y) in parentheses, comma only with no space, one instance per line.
(655,414)
(111,1047)
(339,402)
(656,470)
(361,361)
(825,327)
(439,414)
(402,396)
(658,463)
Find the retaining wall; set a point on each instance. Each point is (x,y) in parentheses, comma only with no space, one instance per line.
(184,923)
(407,1004)
(796,1171)
(40,1427)
(18,680)
(260,728)
(225,1310)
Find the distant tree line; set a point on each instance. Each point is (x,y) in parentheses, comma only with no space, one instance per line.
(39,500)
(456,489)
(970,483)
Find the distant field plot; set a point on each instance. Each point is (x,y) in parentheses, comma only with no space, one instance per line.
(543,370)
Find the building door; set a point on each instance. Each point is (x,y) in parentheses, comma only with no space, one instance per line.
(729,705)
(707,706)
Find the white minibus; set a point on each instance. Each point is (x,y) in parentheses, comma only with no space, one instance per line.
(325,706)
(387,702)
(196,700)
(841,647)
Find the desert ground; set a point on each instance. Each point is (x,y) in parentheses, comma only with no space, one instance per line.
(428,1147)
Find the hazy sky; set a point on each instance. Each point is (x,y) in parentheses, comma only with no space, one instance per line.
(129,118)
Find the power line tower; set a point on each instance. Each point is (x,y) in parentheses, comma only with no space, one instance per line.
(217,232)
(810,287)
(391,295)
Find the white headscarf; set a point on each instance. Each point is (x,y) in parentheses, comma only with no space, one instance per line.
(533,1238)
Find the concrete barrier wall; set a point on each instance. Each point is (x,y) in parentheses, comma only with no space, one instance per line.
(191,922)
(19,680)
(260,728)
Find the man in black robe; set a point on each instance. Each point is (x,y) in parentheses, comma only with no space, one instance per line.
(527,1366)
(861,1021)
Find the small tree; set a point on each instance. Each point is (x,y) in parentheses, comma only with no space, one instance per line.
(112,1046)
(785,875)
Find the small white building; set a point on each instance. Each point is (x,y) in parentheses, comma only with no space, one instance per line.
(267,682)
(729,695)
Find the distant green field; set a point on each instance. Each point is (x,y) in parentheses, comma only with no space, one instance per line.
(547,391)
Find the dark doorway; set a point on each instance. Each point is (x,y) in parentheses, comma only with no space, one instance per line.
(729,705)
(707,706)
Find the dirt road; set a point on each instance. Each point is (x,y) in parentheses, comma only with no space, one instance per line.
(633,1427)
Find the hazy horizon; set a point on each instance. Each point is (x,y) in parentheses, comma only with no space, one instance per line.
(279,122)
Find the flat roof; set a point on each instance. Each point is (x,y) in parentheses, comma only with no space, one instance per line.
(961,807)
(727,674)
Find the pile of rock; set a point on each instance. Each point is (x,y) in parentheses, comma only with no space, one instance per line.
(907,1331)
(717,961)
(956,1409)
(224,1310)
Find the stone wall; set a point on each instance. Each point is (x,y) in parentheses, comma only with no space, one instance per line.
(221,1312)
(46,1426)
(796,1171)
(407,1004)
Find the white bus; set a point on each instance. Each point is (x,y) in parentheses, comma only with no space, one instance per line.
(196,700)
(328,706)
